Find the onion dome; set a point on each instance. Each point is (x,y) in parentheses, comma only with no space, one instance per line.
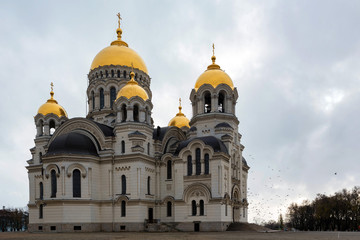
(180,120)
(214,76)
(118,53)
(52,106)
(132,89)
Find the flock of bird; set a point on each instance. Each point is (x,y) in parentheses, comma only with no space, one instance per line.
(273,197)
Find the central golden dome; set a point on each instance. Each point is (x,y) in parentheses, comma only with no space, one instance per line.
(214,76)
(52,106)
(132,89)
(119,53)
(180,120)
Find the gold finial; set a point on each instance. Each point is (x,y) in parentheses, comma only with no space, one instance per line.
(213,58)
(119,18)
(52,90)
(180,105)
(119,42)
(132,74)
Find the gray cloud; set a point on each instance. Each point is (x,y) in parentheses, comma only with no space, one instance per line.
(295,65)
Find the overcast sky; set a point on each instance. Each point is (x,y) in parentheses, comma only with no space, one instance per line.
(296,65)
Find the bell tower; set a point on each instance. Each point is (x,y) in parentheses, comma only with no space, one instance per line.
(213,101)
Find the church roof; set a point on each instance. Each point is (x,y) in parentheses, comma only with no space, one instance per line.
(108,131)
(213,142)
(159,133)
(223,124)
(72,143)
(244,162)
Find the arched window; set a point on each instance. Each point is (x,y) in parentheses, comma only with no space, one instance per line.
(201,207)
(40,157)
(206,163)
(123,208)
(41,190)
(226,209)
(123,184)
(76,183)
(41,209)
(125,75)
(148,148)
(189,165)
(221,102)
(93,100)
(136,113)
(193,207)
(207,100)
(124,113)
(169,209)
(112,72)
(148,185)
(122,146)
(101,74)
(52,127)
(118,73)
(197,161)
(169,172)
(106,73)
(53,183)
(102,98)
(112,96)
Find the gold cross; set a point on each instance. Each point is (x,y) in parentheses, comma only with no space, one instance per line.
(119,18)
(180,102)
(52,85)
(213,49)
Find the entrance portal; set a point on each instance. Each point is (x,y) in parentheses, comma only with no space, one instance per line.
(196,227)
(151,215)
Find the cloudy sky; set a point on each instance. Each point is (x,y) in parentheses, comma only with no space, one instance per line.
(296,65)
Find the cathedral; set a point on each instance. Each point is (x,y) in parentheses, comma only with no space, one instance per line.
(113,170)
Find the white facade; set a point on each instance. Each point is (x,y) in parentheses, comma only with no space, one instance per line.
(175,179)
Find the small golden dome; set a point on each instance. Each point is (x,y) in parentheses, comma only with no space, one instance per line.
(52,106)
(180,120)
(213,76)
(118,53)
(132,89)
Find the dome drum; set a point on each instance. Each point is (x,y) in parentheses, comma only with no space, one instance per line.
(118,73)
(134,109)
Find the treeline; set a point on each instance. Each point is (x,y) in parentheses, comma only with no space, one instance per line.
(13,219)
(340,212)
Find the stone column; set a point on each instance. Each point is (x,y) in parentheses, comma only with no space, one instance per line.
(106,99)
(97,101)
(214,103)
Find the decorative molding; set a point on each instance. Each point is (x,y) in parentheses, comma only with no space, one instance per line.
(123,168)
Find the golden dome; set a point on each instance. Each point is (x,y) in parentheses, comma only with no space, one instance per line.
(132,89)
(52,106)
(180,120)
(214,76)
(118,53)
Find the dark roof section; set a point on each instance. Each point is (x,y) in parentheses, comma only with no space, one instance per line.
(223,124)
(136,133)
(159,133)
(110,115)
(193,129)
(108,131)
(72,143)
(244,161)
(213,142)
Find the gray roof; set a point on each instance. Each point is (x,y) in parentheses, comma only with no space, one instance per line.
(211,141)
(72,143)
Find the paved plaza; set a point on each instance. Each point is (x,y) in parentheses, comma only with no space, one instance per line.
(185,235)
